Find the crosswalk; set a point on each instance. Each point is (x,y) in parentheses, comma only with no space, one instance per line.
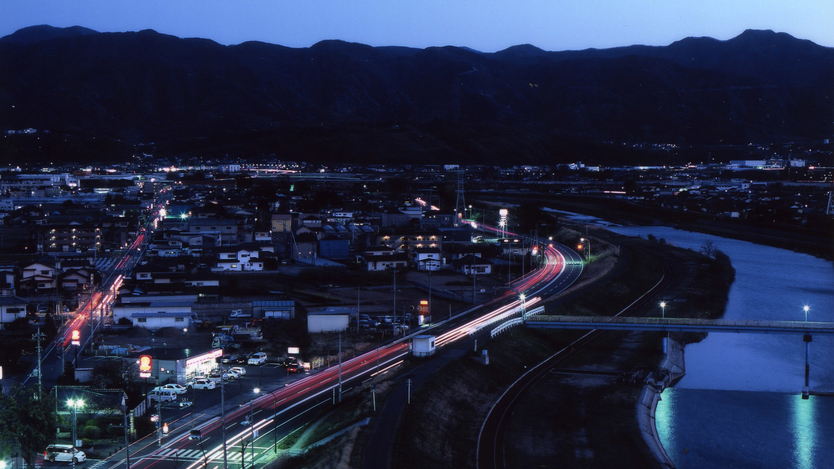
(183,454)
(197,454)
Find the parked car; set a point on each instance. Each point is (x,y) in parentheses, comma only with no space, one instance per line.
(230,358)
(162,395)
(233,374)
(177,388)
(202,383)
(257,359)
(295,368)
(238,369)
(216,376)
(63,453)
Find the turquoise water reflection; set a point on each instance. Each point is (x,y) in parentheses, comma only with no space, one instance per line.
(742,429)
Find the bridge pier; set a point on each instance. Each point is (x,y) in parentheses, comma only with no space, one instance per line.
(806,390)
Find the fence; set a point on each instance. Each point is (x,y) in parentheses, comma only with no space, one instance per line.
(507,325)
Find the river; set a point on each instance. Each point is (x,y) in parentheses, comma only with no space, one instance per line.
(739,404)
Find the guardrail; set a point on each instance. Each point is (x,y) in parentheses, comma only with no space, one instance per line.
(507,325)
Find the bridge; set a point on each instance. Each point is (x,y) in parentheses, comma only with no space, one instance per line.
(645,324)
(680,325)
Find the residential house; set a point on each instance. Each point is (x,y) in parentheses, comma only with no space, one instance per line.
(11,308)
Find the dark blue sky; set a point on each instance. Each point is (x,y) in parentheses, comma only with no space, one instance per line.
(486,25)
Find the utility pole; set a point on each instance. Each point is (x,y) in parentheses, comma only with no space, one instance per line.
(223,417)
(340,366)
(159,414)
(37,338)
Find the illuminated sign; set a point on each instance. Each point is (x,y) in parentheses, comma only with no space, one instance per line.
(216,353)
(424,307)
(76,337)
(145,363)
(293,350)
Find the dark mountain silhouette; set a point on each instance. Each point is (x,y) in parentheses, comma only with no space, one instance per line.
(352,102)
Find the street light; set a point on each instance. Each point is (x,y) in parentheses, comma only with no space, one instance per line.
(74,404)
(274,415)
(806,308)
(663,310)
(523,312)
(587,241)
(252,426)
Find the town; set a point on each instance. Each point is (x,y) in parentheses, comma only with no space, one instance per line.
(149,287)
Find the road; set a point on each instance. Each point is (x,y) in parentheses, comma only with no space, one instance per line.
(283,407)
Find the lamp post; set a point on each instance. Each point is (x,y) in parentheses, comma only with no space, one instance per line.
(663,310)
(252,425)
(74,404)
(523,311)
(125,410)
(274,417)
(806,308)
(588,242)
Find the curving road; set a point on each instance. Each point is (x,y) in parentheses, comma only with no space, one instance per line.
(278,412)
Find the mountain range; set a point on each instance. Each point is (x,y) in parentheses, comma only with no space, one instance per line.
(105,95)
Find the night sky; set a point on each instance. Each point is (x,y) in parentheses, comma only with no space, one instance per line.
(485,25)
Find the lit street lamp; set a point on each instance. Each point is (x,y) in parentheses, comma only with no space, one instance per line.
(663,310)
(806,308)
(252,425)
(588,242)
(74,404)
(523,312)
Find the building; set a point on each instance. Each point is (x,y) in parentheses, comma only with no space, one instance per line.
(11,308)
(329,320)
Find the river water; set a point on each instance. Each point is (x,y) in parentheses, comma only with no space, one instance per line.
(739,404)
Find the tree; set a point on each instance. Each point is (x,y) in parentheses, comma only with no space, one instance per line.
(28,423)
(708,248)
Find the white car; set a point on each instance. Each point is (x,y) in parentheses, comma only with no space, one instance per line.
(257,359)
(177,388)
(162,395)
(202,383)
(238,369)
(63,453)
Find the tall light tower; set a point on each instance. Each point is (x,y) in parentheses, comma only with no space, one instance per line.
(502,222)
(75,404)
(460,202)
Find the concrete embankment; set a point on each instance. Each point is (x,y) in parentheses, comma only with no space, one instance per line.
(672,369)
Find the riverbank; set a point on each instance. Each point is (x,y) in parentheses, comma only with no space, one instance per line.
(584,414)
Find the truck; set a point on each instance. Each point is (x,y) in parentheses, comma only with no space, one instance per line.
(241,333)
(224,341)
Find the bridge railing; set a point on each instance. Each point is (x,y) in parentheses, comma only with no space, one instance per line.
(507,325)
(810,326)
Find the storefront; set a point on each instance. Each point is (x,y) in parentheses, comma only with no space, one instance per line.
(202,364)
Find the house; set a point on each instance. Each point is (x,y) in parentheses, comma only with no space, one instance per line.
(238,259)
(472,265)
(428,259)
(155,313)
(74,280)
(380,259)
(39,276)
(11,308)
